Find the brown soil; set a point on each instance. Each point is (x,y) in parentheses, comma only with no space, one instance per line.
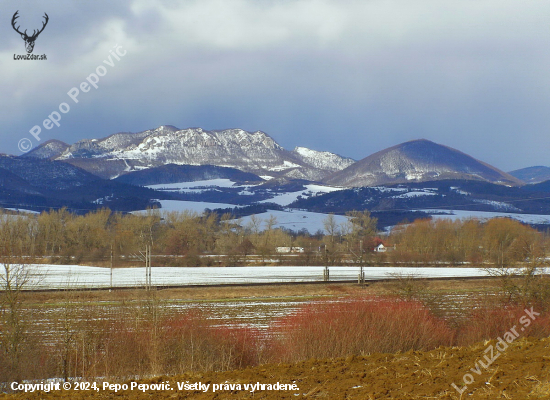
(198,293)
(521,372)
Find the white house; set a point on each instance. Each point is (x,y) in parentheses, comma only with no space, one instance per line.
(380,248)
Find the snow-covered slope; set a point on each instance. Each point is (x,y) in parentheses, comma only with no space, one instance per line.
(50,149)
(285,198)
(253,152)
(323,159)
(296,220)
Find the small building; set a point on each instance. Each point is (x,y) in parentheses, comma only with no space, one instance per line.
(289,249)
(380,248)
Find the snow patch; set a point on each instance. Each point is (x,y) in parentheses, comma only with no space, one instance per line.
(286,165)
(457,190)
(413,194)
(194,206)
(188,186)
(498,205)
(284,199)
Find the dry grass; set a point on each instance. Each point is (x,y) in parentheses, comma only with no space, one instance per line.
(541,391)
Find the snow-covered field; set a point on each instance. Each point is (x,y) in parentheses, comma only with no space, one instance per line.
(76,276)
(24,210)
(485,215)
(284,199)
(296,220)
(196,206)
(290,218)
(196,186)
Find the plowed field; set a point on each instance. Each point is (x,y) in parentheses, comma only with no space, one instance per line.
(521,371)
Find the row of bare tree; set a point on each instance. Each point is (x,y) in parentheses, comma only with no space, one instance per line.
(66,237)
(499,241)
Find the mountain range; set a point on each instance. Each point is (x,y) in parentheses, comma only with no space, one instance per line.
(131,171)
(254,152)
(258,153)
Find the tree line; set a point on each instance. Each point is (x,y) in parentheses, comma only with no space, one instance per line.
(499,241)
(184,237)
(62,236)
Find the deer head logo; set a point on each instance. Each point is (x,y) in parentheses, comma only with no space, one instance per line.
(29,40)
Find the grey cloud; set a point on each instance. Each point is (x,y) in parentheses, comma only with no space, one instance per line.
(351,77)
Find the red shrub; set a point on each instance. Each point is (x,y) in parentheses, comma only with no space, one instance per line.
(490,322)
(357,326)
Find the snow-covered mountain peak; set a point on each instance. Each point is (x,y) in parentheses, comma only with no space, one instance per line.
(418,160)
(255,152)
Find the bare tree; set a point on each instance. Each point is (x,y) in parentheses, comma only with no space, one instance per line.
(331,227)
(526,282)
(14,277)
(254,225)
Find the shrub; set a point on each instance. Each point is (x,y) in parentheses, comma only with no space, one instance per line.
(190,342)
(356,327)
(490,322)
(171,345)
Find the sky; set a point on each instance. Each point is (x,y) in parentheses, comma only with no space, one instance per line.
(347,76)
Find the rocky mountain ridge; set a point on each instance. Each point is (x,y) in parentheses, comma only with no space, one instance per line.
(254,152)
(258,153)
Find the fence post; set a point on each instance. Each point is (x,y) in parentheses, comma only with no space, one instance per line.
(111,278)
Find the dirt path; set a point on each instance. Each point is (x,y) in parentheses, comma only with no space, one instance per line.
(522,371)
